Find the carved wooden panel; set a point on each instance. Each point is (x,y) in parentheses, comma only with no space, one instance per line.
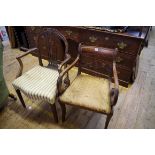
(52,44)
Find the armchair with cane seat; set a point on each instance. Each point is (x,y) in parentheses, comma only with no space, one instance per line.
(92,89)
(40,82)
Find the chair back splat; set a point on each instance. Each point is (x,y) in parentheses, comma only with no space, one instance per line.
(93,60)
(52,44)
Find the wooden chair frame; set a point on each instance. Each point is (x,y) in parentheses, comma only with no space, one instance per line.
(113,92)
(47,33)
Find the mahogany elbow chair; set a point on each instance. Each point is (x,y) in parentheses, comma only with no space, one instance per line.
(40,82)
(91,91)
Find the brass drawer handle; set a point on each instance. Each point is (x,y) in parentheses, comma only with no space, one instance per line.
(121,45)
(69,32)
(119,59)
(92,39)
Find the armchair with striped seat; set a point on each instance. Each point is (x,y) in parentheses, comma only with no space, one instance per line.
(40,82)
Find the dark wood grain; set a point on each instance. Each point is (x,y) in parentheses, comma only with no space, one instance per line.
(129,46)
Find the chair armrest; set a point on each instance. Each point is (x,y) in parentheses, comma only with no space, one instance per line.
(65,71)
(23,49)
(68,57)
(20,61)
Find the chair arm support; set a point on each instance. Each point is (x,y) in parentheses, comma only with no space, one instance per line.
(115,76)
(114,92)
(20,61)
(66,70)
(68,57)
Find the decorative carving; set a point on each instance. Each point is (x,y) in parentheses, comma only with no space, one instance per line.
(119,59)
(121,45)
(92,39)
(69,32)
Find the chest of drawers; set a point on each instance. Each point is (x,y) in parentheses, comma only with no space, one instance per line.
(129,47)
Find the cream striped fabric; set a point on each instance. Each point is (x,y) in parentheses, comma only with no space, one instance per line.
(39,83)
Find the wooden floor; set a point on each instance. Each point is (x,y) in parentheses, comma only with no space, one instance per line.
(135,107)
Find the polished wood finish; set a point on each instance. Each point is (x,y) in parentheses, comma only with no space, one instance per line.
(129,45)
(54,110)
(93,67)
(20,97)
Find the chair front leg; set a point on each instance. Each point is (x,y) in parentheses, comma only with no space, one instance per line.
(63,109)
(53,107)
(20,97)
(109,116)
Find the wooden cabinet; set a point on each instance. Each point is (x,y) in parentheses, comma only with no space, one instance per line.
(129,46)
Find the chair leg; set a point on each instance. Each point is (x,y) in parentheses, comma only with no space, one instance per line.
(20,97)
(108,120)
(53,107)
(12,96)
(63,108)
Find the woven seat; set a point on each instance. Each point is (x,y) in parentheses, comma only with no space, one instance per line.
(89,92)
(39,83)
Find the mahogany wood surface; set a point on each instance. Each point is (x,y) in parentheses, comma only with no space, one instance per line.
(129,46)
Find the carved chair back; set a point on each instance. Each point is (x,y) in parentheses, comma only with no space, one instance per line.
(92,60)
(51,42)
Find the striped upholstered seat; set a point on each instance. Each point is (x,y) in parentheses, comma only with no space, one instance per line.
(39,83)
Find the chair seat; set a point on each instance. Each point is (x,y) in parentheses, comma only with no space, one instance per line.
(88,92)
(39,83)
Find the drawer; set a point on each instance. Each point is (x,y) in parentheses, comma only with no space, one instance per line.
(124,44)
(122,60)
(70,33)
(100,66)
(124,74)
